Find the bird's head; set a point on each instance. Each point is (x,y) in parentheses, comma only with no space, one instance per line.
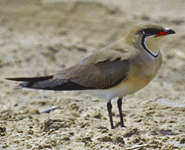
(148,36)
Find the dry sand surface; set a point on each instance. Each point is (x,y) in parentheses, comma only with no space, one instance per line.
(41,37)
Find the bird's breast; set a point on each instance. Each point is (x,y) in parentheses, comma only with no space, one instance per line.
(141,72)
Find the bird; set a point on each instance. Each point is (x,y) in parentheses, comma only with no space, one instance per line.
(119,69)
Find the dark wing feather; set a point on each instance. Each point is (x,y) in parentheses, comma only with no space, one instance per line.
(53,84)
(47,83)
(27,79)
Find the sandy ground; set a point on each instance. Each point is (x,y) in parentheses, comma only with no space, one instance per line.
(41,37)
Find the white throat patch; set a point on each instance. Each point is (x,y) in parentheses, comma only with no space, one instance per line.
(151,44)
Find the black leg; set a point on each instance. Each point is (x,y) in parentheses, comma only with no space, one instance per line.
(119,103)
(109,108)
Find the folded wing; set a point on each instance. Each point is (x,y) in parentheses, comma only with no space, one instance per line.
(102,74)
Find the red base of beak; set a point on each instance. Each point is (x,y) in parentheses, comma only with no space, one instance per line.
(161,34)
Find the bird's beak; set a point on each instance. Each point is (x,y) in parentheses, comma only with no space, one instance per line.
(169,31)
(166,31)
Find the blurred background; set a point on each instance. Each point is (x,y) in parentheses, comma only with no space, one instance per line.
(40,37)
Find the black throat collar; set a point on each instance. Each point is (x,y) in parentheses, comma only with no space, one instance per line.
(144,46)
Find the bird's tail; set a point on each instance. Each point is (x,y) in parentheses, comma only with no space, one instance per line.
(33,83)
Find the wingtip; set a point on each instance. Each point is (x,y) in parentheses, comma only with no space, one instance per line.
(13,79)
(9,78)
(28,79)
